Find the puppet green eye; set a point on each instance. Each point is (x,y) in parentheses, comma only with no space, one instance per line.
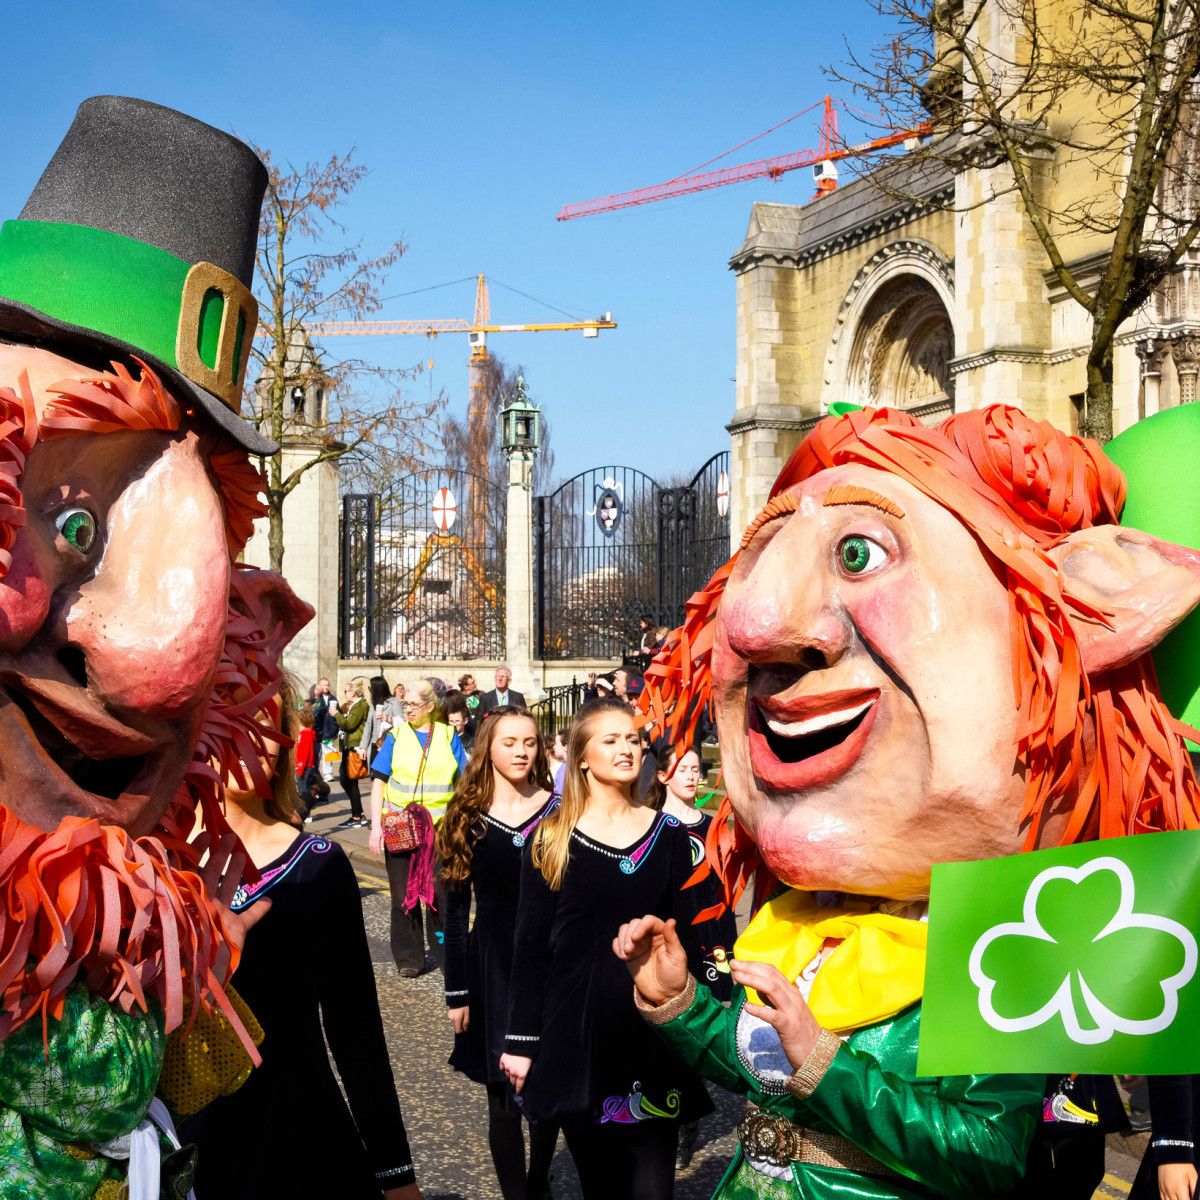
(78,528)
(860,554)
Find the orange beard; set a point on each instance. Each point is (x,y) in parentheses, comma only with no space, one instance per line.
(130,917)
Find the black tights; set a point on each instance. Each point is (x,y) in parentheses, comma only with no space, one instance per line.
(350,786)
(507,1144)
(624,1160)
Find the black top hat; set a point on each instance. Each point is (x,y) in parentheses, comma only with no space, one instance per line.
(139,239)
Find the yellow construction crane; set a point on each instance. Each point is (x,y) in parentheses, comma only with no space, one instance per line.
(476,331)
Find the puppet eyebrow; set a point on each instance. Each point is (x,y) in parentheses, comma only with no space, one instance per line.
(848,493)
(780,506)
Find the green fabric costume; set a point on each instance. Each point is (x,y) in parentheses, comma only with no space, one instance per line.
(99,1080)
(961,1136)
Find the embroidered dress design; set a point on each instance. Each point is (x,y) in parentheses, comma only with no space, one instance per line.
(521,836)
(634,859)
(248,893)
(628,1110)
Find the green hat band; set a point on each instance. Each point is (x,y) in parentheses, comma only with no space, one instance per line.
(193,317)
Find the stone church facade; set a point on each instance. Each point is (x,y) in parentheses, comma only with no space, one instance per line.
(921,296)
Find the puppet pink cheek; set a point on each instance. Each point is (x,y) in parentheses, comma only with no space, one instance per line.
(883,617)
(24,603)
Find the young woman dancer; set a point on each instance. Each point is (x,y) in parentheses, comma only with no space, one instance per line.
(500,799)
(305,968)
(577,1051)
(673,791)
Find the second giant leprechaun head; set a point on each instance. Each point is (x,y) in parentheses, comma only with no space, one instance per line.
(933,646)
(135,653)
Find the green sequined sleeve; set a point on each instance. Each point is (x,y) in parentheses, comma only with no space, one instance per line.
(963,1136)
(702,1037)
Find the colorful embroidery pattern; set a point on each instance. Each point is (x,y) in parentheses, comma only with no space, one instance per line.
(634,859)
(247,894)
(628,1110)
(521,836)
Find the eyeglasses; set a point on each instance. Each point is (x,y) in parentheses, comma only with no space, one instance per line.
(413,703)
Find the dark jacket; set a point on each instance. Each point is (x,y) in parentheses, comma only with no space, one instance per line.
(490,700)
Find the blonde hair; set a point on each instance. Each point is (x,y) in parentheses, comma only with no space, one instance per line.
(360,685)
(552,843)
(426,694)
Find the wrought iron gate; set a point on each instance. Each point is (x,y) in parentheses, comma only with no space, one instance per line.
(423,569)
(611,545)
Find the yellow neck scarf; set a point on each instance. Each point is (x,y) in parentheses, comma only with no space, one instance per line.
(876,971)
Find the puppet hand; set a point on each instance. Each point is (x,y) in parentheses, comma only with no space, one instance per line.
(460,1018)
(222,876)
(651,949)
(1176,1181)
(516,1067)
(375,841)
(783,1008)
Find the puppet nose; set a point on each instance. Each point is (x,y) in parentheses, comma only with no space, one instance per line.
(785,615)
(151,621)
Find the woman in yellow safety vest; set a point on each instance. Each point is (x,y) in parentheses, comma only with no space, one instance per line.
(418,763)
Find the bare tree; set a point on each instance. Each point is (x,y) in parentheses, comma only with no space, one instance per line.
(480,450)
(1031,85)
(308,273)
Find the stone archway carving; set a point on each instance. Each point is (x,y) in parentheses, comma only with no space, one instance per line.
(893,337)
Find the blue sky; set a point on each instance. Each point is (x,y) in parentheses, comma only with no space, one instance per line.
(478,121)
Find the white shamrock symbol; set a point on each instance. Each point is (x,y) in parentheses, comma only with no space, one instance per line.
(1056,963)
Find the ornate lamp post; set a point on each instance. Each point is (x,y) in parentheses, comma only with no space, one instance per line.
(520,426)
(520,434)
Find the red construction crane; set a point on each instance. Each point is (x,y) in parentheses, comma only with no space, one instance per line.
(829,150)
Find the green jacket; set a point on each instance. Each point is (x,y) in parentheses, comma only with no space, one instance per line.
(962,1136)
(351,722)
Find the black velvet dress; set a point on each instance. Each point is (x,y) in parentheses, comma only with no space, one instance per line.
(715,936)
(479,962)
(1175,1130)
(306,966)
(572,1007)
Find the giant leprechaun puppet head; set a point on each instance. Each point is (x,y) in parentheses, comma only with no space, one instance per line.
(137,658)
(933,645)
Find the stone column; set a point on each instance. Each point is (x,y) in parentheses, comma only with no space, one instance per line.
(1151,353)
(1186,353)
(518,574)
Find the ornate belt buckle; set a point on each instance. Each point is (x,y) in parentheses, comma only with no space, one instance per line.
(768,1136)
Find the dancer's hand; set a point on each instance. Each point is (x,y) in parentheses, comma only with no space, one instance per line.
(516,1067)
(783,1007)
(651,949)
(375,841)
(1176,1181)
(460,1018)
(222,875)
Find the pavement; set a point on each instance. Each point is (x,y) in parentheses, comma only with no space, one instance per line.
(446,1114)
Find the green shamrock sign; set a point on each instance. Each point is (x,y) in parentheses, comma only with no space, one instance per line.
(1080,959)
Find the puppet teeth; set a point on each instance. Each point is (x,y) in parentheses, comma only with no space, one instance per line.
(793,729)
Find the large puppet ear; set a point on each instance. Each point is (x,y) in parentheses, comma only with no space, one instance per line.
(268,600)
(1144,587)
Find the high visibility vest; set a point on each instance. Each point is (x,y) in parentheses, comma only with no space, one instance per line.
(436,784)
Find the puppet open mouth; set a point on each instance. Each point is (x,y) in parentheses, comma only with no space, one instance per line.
(808,741)
(109,777)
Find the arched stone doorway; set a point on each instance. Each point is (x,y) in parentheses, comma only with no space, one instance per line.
(894,340)
(900,354)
